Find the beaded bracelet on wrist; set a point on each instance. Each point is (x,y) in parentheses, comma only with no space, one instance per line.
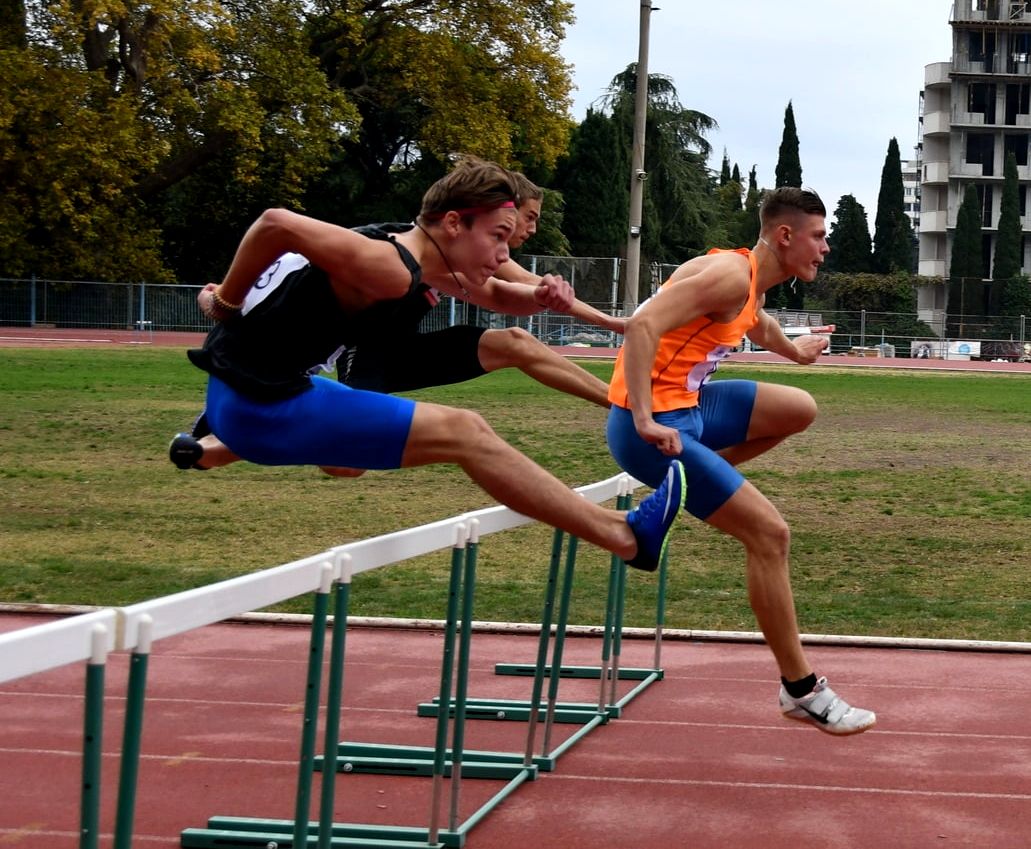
(223,304)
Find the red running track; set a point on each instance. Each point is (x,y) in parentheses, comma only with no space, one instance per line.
(700,759)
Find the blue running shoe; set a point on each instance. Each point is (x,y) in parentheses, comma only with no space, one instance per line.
(185,452)
(652,519)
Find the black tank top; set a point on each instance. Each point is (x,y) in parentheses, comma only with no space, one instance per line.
(292,320)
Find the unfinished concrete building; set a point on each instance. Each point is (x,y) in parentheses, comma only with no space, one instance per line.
(974,110)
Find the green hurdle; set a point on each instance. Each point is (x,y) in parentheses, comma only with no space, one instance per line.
(446,759)
(608,672)
(92,739)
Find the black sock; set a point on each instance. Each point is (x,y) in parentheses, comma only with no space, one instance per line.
(802,687)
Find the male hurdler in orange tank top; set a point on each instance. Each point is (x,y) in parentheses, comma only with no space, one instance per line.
(664,404)
(689,354)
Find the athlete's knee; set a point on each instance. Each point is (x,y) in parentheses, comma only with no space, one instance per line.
(807,408)
(511,346)
(467,429)
(799,412)
(756,523)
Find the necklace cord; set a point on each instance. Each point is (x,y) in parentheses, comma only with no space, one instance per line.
(443,257)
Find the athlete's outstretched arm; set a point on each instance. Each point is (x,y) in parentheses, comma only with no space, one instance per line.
(769,335)
(347,257)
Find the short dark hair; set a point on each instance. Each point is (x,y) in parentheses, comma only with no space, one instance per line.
(528,190)
(473,185)
(789,199)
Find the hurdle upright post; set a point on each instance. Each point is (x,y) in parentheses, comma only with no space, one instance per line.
(446,670)
(92,739)
(132,737)
(559,646)
(462,685)
(316,650)
(542,645)
(334,700)
(616,567)
(660,609)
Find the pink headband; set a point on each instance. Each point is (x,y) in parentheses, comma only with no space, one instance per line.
(472,210)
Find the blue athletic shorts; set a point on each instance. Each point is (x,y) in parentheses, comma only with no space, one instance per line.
(328,425)
(719,421)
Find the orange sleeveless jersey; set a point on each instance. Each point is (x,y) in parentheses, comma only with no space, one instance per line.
(688,355)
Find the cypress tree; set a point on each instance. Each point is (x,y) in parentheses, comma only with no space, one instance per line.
(749,229)
(849,238)
(893,233)
(966,290)
(789,166)
(1008,241)
(725,169)
(1012,289)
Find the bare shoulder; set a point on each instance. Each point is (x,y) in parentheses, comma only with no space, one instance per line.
(723,277)
(371,266)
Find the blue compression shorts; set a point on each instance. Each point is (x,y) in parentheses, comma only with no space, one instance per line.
(719,421)
(328,425)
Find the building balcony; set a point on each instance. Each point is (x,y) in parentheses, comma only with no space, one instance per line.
(931,268)
(937,123)
(935,173)
(974,119)
(937,73)
(934,222)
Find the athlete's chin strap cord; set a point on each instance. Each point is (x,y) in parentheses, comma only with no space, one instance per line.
(443,256)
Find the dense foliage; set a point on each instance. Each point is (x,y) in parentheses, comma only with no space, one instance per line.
(137,141)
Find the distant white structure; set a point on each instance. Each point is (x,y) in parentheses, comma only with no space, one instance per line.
(974,110)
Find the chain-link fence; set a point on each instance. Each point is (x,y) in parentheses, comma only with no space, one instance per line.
(166,307)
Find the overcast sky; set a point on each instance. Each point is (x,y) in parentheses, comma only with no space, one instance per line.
(852,70)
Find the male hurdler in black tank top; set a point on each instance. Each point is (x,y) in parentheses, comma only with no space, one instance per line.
(394,357)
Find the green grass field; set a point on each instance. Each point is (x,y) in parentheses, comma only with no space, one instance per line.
(909,500)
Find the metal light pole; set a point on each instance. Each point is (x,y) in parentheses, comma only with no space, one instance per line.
(637,173)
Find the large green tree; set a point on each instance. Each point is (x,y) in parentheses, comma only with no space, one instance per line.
(594,186)
(184,118)
(679,209)
(893,233)
(143,97)
(431,78)
(789,165)
(849,239)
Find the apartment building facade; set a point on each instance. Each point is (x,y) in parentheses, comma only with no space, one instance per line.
(974,110)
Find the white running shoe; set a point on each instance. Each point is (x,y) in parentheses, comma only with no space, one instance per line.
(826,710)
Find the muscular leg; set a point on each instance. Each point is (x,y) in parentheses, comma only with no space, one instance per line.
(513,347)
(217,454)
(441,434)
(750,518)
(779,412)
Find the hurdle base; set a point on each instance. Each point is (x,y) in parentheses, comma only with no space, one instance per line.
(528,669)
(386,759)
(242,831)
(519,710)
